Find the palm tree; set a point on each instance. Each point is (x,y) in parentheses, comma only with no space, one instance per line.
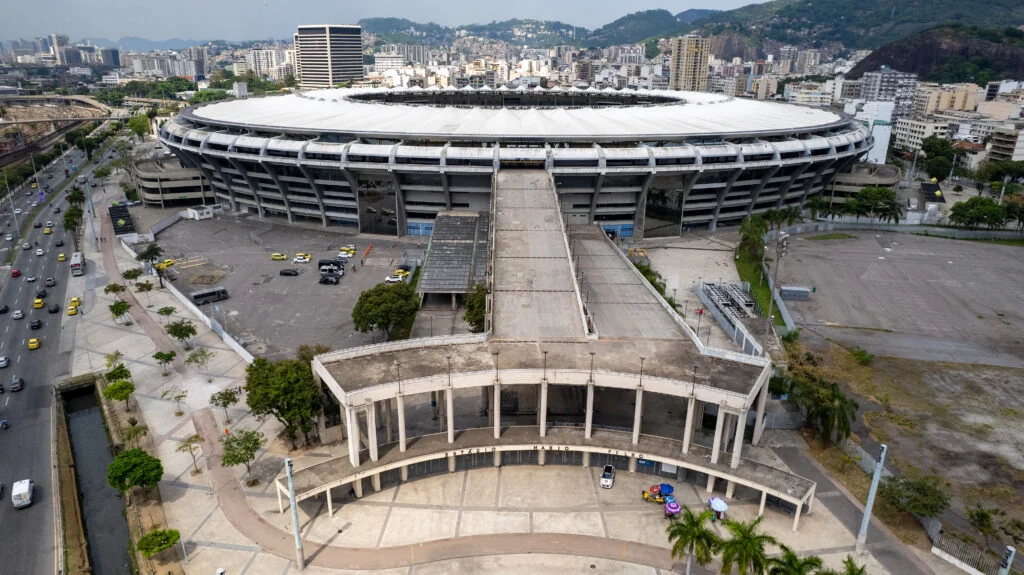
(76,196)
(745,549)
(791,215)
(693,537)
(891,210)
(850,567)
(789,563)
(752,231)
(832,411)
(816,205)
(771,217)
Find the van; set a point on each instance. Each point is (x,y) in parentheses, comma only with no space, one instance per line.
(334,262)
(332,271)
(21,493)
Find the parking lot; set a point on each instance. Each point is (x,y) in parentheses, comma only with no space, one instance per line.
(913,297)
(270,313)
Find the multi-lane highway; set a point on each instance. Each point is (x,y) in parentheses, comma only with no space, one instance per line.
(25,447)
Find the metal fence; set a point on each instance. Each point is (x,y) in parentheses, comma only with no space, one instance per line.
(968,554)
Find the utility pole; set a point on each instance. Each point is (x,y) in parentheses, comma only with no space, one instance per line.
(862,536)
(92,214)
(781,249)
(10,198)
(300,559)
(1002,190)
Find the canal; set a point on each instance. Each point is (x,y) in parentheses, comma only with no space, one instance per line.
(106,528)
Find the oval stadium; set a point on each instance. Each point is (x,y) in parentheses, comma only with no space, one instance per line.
(639,163)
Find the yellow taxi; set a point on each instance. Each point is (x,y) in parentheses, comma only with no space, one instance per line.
(401,273)
(47,231)
(33,343)
(38,304)
(278,257)
(302,258)
(72,310)
(75,302)
(62,258)
(35,185)
(348,250)
(166,263)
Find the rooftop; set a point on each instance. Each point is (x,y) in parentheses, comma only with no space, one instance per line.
(457,253)
(688,114)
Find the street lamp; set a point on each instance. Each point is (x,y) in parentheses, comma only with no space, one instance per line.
(642,359)
(781,249)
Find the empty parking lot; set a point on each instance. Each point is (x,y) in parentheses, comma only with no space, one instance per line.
(912,296)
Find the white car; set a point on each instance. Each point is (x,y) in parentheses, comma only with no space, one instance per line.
(39,251)
(21,493)
(4,361)
(608,477)
(31,278)
(17,211)
(300,260)
(393,279)
(17,314)
(49,223)
(10,237)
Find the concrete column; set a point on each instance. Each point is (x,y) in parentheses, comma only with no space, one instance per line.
(632,465)
(371,430)
(280,502)
(637,412)
(810,499)
(357,486)
(764,498)
(737,448)
(450,413)
(796,517)
(401,422)
(590,413)
(716,445)
(330,504)
(344,430)
(540,457)
(586,459)
(691,406)
(711,483)
(730,489)
(497,459)
(542,412)
(451,464)
(387,420)
(762,400)
(353,436)
(497,416)
(375,481)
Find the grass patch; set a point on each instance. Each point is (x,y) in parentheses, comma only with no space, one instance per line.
(750,271)
(835,236)
(861,356)
(1004,242)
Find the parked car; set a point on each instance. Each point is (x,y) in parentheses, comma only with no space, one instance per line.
(302,259)
(608,477)
(329,280)
(289,272)
(393,279)
(10,237)
(278,257)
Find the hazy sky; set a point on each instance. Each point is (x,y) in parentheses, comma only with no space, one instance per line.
(259,19)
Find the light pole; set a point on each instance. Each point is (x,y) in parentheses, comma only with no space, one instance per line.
(862,536)
(10,198)
(92,215)
(781,249)
(300,559)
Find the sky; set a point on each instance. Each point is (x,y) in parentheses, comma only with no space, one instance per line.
(262,19)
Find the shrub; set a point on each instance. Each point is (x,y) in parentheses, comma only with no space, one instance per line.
(157,540)
(861,356)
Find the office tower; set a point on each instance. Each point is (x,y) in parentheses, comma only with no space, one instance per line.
(110,57)
(689,64)
(327,55)
(58,42)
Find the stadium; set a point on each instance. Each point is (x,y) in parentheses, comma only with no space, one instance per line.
(639,163)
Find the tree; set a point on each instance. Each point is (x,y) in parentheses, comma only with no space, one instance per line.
(191,445)
(132,274)
(693,537)
(936,147)
(828,409)
(240,447)
(921,496)
(285,390)
(983,521)
(75,196)
(134,468)
(744,550)
(118,373)
(752,232)
(307,352)
(139,126)
(978,211)
(789,563)
(384,305)
(224,399)
(119,308)
(938,168)
(476,308)
(120,391)
(182,330)
(177,395)
(113,359)
(102,172)
(150,254)
(116,289)
(850,567)
(157,540)
(815,205)
(164,358)
(166,312)
(144,287)
(200,358)
(133,433)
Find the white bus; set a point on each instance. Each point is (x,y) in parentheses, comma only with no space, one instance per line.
(77,264)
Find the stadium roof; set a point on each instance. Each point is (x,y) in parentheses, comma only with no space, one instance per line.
(688,115)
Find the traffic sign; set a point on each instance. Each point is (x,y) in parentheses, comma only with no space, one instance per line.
(41,196)
(74,168)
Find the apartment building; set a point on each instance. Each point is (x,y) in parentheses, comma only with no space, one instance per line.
(908,133)
(689,64)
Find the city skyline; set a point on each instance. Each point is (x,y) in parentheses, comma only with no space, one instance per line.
(223,19)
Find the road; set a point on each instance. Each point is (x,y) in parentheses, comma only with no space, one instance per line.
(25,448)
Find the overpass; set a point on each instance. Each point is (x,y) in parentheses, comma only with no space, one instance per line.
(53,98)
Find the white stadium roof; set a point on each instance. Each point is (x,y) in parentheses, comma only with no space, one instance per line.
(695,114)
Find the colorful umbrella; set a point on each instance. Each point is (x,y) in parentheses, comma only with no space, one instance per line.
(666,489)
(672,507)
(718,504)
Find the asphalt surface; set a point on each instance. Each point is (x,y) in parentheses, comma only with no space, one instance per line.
(25,447)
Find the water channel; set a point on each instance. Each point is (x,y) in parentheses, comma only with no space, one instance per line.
(102,507)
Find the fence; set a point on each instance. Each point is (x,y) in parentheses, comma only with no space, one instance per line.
(165,223)
(965,556)
(938,231)
(736,331)
(207,321)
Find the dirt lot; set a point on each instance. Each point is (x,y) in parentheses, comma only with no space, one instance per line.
(915,297)
(274,314)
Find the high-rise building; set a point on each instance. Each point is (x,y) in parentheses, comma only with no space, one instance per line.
(585,71)
(110,57)
(58,42)
(689,64)
(888,85)
(931,98)
(263,63)
(199,55)
(327,55)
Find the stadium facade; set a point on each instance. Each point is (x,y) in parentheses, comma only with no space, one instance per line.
(641,163)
